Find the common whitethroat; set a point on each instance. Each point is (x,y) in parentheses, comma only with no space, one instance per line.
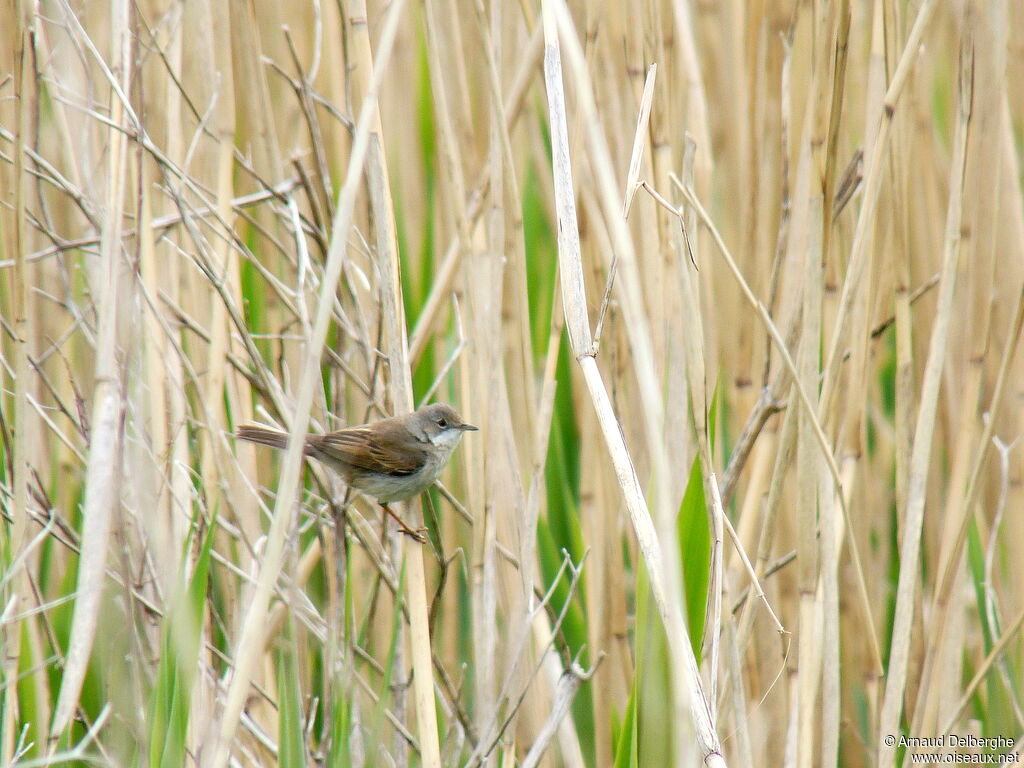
(391,459)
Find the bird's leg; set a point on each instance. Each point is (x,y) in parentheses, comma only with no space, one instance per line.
(419,535)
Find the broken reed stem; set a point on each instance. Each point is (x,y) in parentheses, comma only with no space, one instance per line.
(687,683)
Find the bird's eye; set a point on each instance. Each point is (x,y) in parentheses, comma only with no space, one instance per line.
(442,422)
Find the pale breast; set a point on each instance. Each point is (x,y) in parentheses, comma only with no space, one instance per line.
(388,488)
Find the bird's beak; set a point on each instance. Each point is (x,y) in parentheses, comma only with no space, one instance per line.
(468,428)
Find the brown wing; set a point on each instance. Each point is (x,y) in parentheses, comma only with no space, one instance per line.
(364,449)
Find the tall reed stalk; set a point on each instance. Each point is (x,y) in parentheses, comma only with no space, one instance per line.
(735,293)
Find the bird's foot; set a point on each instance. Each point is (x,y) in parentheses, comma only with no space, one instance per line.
(418,534)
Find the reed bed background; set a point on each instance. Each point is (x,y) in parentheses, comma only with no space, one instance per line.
(733,290)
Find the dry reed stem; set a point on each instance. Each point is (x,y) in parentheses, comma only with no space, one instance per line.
(953,551)
(807,406)
(460,109)
(686,677)
(568,684)
(831,40)
(21,328)
(446,273)
(393,326)
(247,644)
(103,475)
(872,185)
(896,677)
(985,201)
(639,141)
(998,649)
(809,483)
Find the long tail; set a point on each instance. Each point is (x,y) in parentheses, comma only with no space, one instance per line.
(263,436)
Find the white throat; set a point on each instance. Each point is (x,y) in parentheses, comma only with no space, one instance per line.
(447,439)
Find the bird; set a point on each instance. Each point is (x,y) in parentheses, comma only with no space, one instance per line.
(391,459)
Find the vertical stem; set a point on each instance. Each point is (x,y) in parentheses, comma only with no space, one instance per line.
(103,475)
(910,550)
(22,34)
(249,643)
